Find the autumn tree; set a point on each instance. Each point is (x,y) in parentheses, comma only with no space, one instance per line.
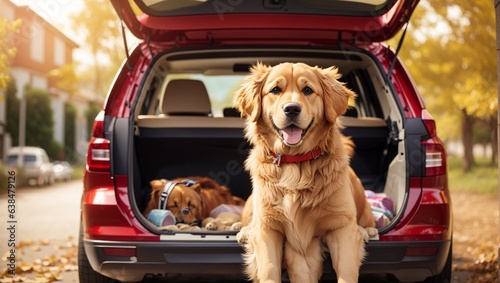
(65,78)
(7,51)
(39,119)
(450,51)
(100,24)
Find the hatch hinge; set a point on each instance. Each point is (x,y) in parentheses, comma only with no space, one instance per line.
(125,45)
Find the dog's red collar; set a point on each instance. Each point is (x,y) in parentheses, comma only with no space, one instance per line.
(311,155)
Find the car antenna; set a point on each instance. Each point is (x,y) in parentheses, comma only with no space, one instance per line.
(398,48)
(129,67)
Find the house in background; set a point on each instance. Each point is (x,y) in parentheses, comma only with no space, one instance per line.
(42,48)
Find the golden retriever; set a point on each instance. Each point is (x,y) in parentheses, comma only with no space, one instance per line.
(191,203)
(303,187)
(364,214)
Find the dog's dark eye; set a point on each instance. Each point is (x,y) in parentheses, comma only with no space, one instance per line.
(307,90)
(276,90)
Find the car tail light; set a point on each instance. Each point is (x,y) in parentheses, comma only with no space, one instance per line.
(98,155)
(435,154)
(435,158)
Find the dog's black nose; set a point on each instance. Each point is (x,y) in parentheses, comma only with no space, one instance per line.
(292,109)
(185,211)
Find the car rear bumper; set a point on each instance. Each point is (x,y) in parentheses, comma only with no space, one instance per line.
(402,260)
(200,259)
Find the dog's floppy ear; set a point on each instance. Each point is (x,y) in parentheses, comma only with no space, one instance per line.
(248,98)
(196,187)
(336,94)
(157,188)
(157,185)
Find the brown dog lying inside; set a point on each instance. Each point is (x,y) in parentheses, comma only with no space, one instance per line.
(190,199)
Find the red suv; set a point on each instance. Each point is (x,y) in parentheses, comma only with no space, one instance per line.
(149,129)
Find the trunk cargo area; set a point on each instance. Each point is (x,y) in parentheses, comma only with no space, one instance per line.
(216,148)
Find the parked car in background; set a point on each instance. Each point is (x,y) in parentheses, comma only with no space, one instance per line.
(168,115)
(36,168)
(62,171)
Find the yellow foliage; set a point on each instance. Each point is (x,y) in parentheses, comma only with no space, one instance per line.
(65,78)
(7,51)
(450,51)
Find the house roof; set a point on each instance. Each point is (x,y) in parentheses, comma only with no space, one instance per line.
(24,11)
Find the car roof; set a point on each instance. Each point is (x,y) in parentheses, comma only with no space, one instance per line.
(26,150)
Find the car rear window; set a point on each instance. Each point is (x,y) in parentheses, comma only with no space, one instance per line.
(325,7)
(221,89)
(12,159)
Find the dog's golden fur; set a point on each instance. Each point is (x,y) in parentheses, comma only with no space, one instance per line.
(298,206)
(364,214)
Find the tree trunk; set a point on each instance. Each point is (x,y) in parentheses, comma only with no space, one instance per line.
(467,141)
(494,139)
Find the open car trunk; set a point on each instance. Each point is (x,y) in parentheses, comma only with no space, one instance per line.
(172,144)
(195,149)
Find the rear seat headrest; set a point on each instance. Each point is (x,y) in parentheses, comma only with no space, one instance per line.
(186,97)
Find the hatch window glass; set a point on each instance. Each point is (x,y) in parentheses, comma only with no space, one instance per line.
(328,7)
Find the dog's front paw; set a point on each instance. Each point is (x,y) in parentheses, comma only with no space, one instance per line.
(195,228)
(242,236)
(372,232)
(364,234)
(211,226)
(367,233)
(183,226)
(236,226)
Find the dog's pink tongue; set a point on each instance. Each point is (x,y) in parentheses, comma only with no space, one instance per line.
(292,134)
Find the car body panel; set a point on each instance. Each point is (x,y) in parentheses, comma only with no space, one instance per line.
(253,20)
(223,259)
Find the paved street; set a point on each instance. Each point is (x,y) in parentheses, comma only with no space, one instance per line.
(46,229)
(50,213)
